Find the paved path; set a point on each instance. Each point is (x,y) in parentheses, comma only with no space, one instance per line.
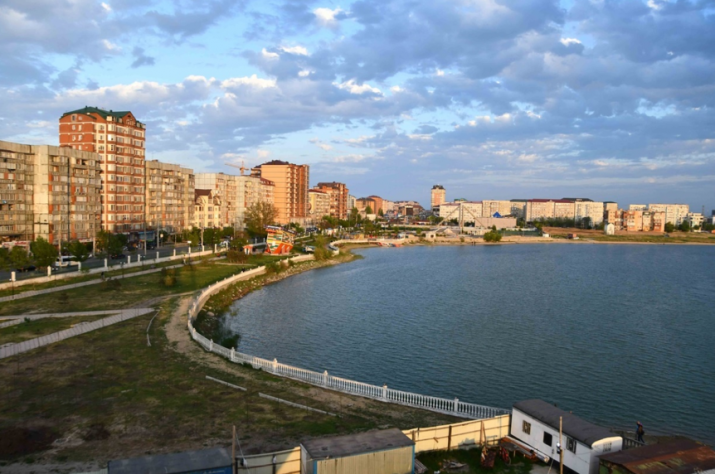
(120,315)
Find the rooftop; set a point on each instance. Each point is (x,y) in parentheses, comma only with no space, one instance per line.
(342,446)
(101,112)
(676,457)
(575,427)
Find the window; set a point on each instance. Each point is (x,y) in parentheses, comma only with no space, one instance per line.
(607,447)
(571,445)
(74,119)
(525,427)
(548,439)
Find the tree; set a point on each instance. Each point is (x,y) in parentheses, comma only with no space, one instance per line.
(586,222)
(78,250)
(669,227)
(296,227)
(685,226)
(709,227)
(368,210)
(492,236)
(5,263)
(45,253)
(19,257)
(258,216)
(380,213)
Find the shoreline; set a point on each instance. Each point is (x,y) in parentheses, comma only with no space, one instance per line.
(521,241)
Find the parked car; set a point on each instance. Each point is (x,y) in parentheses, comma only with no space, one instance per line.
(118,256)
(28,268)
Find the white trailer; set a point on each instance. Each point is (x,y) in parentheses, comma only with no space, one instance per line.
(536,424)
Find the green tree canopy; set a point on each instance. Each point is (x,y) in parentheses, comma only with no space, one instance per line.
(78,250)
(368,210)
(19,257)
(492,236)
(5,262)
(258,216)
(669,227)
(44,252)
(685,226)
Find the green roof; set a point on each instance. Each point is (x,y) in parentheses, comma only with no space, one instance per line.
(103,113)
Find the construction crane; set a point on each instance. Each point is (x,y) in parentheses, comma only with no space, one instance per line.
(460,212)
(242,167)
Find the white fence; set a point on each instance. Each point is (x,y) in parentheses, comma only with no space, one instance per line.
(382,393)
(115,266)
(14,349)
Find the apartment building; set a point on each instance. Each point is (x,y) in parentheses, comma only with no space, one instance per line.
(467,210)
(251,190)
(351,202)
(170,199)
(439,195)
(319,204)
(537,209)
(224,188)
(290,194)
(504,208)
(674,213)
(207,209)
(633,220)
(119,140)
(338,194)
(49,192)
(593,210)
(695,219)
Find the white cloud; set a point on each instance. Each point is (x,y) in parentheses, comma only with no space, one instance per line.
(106,7)
(354,88)
(304,73)
(251,81)
(263,154)
(569,41)
(269,54)
(326,16)
(301,50)
(109,46)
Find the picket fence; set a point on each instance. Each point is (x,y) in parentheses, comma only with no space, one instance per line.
(453,407)
(14,349)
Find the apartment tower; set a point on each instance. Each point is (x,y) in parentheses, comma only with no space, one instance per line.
(119,140)
(338,194)
(169,197)
(290,194)
(439,195)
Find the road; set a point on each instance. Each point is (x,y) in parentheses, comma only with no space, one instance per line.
(164,251)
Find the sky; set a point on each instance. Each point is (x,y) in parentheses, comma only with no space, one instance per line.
(493,99)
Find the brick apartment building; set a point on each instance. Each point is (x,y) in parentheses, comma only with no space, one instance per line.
(119,139)
(338,194)
(438,196)
(290,194)
(170,199)
(49,192)
(236,194)
(319,204)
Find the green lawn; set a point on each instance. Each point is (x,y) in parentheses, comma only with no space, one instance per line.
(117,397)
(31,329)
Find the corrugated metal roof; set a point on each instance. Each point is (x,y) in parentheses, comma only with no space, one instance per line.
(573,426)
(676,457)
(173,463)
(350,445)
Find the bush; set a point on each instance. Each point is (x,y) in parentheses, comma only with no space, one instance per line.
(492,236)
(168,277)
(274,267)
(236,256)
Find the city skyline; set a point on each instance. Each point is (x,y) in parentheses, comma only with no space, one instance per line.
(545,100)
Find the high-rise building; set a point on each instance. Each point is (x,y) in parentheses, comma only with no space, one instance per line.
(319,204)
(119,139)
(207,209)
(290,194)
(251,190)
(338,194)
(224,187)
(674,213)
(169,197)
(351,202)
(439,195)
(49,192)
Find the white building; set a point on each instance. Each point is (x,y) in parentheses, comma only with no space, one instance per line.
(536,424)
(590,209)
(609,229)
(471,210)
(674,213)
(695,219)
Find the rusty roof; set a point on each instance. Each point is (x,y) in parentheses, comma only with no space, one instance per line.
(676,457)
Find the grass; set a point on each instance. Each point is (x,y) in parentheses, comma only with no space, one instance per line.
(128,291)
(472,457)
(117,397)
(30,329)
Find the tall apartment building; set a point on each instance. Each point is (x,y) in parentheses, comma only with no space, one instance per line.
(169,197)
(119,139)
(319,204)
(518,208)
(225,187)
(338,193)
(207,209)
(674,213)
(351,202)
(504,208)
(251,190)
(470,210)
(439,195)
(49,192)
(290,195)
(592,210)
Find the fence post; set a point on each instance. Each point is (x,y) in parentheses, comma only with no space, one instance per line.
(384,391)
(456,404)
(129,259)
(79,266)
(105,265)
(275,365)
(211,345)
(233,354)
(174,253)
(49,271)
(325,378)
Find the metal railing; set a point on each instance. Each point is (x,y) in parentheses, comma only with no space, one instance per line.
(448,406)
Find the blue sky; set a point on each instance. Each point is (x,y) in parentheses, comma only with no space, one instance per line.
(494,99)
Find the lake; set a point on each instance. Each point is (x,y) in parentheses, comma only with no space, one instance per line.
(615,333)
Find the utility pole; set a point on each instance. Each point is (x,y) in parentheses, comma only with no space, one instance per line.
(234,467)
(561,449)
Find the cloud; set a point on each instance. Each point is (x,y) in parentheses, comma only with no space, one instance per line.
(141,59)
(327,17)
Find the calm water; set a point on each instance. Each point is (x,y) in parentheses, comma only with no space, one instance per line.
(616,333)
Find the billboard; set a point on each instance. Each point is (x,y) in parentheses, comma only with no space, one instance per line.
(279,241)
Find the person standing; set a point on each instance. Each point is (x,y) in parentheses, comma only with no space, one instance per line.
(640,431)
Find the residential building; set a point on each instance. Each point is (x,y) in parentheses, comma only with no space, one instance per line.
(564,209)
(319,204)
(207,209)
(439,195)
(170,199)
(351,202)
(251,190)
(469,211)
(119,140)
(610,206)
(225,187)
(363,203)
(49,192)
(539,209)
(503,208)
(290,194)
(407,208)
(674,213)
(615,217)
(338,194)
(695,219)
(633,220)
(637,207)
(518,208)
(589,209)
